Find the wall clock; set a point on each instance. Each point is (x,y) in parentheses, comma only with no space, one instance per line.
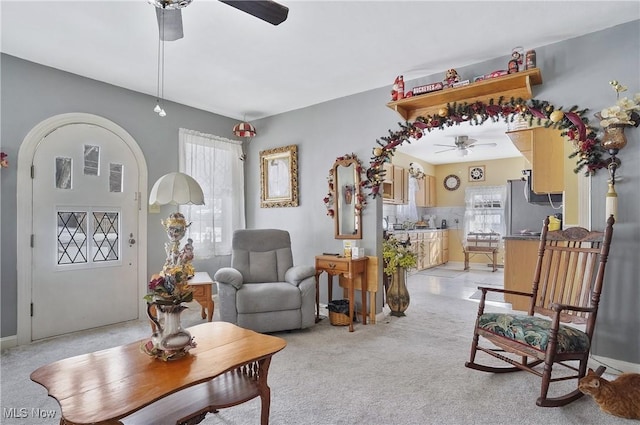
(476,173)
(451,182)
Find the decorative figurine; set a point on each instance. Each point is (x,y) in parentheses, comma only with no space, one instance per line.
(517,54)
(397,92)
(513,66)
(451,77)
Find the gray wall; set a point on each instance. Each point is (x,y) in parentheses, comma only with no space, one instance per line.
(575,72)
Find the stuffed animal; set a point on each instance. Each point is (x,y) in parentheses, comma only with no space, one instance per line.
(451,77)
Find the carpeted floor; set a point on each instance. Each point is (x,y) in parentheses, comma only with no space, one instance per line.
(401,371)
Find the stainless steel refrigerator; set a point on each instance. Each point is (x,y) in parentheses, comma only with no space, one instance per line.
(522,215)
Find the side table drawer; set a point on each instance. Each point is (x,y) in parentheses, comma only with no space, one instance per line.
(331,265)
(198,290)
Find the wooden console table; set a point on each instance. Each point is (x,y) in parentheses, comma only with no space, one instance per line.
(349,268)
(123,385)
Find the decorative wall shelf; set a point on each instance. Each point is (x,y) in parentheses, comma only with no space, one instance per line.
(516,85)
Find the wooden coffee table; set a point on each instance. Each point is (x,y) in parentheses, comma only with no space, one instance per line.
(123,385)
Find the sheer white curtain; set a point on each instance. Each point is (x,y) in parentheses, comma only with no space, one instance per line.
(215,163)
(409,211)
(485,209)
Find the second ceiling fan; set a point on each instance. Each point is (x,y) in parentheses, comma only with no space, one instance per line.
(463,145)
(170,16)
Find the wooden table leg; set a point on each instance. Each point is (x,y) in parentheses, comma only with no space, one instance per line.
(372,307)
(318,297)
(364,296)
(352,299)
(265,391)
(210,311)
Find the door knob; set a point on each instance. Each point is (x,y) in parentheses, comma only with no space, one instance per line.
(131,239)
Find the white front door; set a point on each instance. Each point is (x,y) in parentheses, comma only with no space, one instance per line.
(85,225)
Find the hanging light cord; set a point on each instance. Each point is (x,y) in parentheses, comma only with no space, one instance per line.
(158,79)
(159,108)
(162,86)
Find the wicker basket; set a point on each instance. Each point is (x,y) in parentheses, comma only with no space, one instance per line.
(338,319)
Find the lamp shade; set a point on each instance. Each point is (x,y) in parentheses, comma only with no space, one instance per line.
(176,189)
(244,129)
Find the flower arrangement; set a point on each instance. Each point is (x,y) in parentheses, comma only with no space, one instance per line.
(624,112)
(397,254)
(4,162)
(171,285)
(416,172)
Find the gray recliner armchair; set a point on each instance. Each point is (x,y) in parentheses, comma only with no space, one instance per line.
(262,290)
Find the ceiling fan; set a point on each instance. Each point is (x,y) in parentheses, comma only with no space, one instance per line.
(463,145)
(170,17)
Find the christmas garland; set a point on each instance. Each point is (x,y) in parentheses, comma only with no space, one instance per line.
(329,200)
(572,123)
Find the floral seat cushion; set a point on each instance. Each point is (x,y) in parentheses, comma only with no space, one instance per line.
(534,332)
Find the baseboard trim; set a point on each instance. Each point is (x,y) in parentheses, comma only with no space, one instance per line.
(8,342)
(613,366)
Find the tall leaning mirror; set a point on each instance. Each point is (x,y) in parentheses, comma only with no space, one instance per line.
(345,200)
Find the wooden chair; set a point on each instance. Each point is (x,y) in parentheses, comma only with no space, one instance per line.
(567,284)
(482,243)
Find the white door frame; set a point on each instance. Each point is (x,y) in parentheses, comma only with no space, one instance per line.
(24,208)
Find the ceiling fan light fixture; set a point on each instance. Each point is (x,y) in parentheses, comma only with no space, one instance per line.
(244,129)
(462,152)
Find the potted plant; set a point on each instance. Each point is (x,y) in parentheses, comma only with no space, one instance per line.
(398,257)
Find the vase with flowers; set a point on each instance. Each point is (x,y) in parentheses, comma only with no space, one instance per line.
(398,257)
(614,119)
(167,291)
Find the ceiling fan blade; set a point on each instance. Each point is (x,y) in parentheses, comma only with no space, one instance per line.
(267,10)
(172,24)
(446,146)
(493,145)
(446,150)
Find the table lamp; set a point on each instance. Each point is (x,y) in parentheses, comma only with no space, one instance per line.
(176,189)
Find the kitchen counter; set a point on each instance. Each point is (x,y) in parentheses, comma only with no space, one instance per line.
(517,237)
(430,229)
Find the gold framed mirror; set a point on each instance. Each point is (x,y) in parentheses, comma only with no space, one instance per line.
(345,200)
(279,177)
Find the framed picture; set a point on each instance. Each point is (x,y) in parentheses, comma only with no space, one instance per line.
(279,177)
(476,173)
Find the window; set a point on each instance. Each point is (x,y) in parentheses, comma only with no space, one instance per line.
(215,164)
(484,209)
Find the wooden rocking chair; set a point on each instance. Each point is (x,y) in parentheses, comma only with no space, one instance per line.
(566,288)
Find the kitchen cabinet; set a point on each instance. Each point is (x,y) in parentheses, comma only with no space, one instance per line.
(544,149)
(445,246)
(426,193)
(517,85)
(395,186)
(520,259)
(430,246)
